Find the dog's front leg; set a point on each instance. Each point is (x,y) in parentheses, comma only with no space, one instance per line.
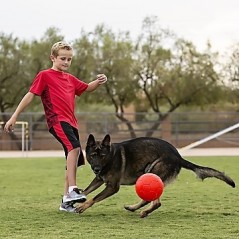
(107,192)
(96,183)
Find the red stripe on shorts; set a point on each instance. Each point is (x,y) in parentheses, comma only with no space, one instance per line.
(61,134)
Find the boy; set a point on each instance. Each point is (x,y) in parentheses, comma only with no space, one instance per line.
(57,90)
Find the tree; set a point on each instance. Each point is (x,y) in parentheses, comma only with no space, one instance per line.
(232,66)
(39,55)
(112,55)
(11,61)
(84,59)
(11,73)
(158,73)
(231,75)
(20,61)
(40,50)
(170,78)
(162,76)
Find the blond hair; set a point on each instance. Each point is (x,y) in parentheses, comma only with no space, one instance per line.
(59,46)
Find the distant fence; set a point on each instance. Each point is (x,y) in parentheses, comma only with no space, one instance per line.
(180,129)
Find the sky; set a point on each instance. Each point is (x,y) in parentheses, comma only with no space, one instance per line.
(194,20)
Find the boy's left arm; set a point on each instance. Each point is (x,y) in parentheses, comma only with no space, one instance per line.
(101,79)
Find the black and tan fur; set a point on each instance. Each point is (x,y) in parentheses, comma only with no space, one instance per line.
(122,163)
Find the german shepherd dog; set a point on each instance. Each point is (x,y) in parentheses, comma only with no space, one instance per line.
(122,163)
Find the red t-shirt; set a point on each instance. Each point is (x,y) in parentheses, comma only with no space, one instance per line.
(58,90)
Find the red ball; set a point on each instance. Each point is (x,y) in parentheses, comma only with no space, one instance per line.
(149,187)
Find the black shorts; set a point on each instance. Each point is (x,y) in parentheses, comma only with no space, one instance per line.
(68,136)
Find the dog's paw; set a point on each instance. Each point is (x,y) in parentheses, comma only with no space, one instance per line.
(80,209)
(143,214)
(84,206)
(129,208)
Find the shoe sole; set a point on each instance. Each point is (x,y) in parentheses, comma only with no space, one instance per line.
(80,200)
(64,210)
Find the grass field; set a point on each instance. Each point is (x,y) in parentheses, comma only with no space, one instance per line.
(31,192)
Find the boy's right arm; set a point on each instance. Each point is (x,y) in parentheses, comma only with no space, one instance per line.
(26,100)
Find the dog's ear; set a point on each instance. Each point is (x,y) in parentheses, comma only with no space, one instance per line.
(90,140)
(106,140)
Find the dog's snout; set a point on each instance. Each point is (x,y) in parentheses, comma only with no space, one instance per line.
(96,170)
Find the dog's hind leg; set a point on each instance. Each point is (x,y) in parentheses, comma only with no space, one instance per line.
(153,206)
(136,206)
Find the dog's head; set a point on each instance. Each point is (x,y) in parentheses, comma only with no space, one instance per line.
(98,153)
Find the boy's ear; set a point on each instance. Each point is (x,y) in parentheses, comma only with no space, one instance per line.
(52,58)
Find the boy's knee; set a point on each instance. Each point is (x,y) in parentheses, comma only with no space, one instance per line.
(76,150)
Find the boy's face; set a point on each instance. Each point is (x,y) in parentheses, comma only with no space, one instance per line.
(63,61)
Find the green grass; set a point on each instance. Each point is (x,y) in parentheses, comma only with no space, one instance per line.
(31,192)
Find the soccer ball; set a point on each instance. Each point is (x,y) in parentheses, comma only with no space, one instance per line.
(149,187)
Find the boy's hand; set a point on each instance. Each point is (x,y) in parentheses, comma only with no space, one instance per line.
(101,78)
(9,126)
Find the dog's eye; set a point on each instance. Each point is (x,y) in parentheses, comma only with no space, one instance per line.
(93,154)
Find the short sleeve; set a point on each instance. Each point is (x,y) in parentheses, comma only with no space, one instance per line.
(80,86)
(38,84)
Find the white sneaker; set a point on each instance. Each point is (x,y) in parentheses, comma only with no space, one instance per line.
(67,207)
(75,196)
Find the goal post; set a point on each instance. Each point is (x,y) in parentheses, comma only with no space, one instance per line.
(213,136)
(24,134)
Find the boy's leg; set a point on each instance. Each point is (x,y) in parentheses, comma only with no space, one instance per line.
(66,206)
(71,166)
(69,138)
(66,187)
(74,194)
(81,161)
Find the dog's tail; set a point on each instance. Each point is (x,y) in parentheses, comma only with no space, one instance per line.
(206,172)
